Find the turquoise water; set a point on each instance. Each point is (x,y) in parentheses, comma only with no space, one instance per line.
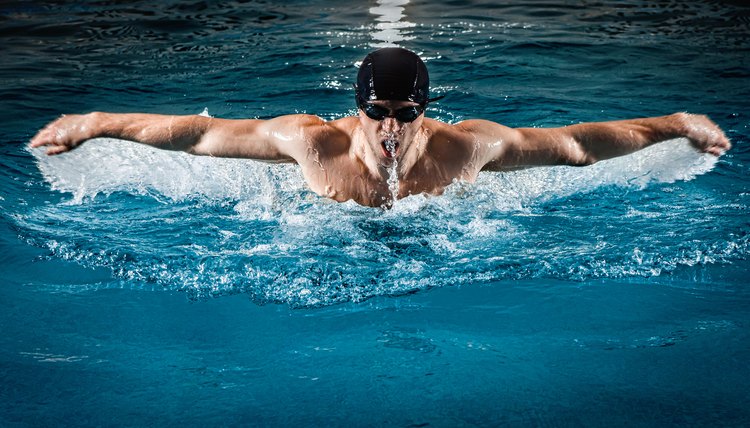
(152,288)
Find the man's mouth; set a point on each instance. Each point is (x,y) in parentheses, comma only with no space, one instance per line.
(389,147)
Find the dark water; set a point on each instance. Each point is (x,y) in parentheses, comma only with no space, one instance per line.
(151,288)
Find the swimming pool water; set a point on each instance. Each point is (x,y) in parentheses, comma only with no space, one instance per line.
(153,288)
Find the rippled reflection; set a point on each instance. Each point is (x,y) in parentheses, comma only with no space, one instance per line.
(388,31)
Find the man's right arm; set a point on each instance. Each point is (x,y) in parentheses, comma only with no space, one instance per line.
(274,140)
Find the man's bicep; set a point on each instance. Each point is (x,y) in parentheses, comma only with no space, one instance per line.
(530,147)
(273,140)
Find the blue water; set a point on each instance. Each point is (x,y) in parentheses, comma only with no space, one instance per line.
(142,287)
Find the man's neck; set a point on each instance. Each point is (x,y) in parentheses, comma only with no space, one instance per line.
(414,151)
(361,150)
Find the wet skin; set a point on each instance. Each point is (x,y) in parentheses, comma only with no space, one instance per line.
(349,159)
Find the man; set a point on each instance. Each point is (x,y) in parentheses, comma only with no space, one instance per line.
(353,157)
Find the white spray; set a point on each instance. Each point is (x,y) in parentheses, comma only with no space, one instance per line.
(390,145)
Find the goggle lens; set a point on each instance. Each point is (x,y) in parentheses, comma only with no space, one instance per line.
(406,114)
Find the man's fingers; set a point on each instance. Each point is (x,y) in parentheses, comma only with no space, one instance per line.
(55,136)
(41,139)
(706,135)
(39,142)
(714,150)
(719,146)
(56,150)
(53,133)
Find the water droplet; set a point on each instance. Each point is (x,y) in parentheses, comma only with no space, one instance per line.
(390,145)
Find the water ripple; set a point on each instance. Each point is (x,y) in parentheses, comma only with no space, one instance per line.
(213,227)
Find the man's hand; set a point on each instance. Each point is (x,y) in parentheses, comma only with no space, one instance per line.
(65,133)
(703,133)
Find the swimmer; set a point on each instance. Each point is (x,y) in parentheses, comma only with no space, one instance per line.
(352,157)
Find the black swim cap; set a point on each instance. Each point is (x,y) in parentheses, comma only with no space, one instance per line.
(393,74)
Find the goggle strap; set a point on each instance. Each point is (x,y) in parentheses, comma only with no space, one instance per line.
(360,101)
(435,99)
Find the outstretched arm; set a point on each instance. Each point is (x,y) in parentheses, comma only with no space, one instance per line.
(586,143)
(274,140)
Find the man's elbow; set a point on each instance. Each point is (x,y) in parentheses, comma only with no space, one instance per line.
(579,156)
(583,161)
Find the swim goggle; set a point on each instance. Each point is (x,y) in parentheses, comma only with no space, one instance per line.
(404,114)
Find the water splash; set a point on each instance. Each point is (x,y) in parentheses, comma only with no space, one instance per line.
(164,175)
(142,170)
(212,227)
(393,183)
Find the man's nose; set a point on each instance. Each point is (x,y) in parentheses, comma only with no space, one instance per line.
(390,124)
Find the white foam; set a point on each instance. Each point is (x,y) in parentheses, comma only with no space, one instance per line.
(109,165)
(667,162)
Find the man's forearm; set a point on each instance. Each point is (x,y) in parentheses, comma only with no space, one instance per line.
(165,132)
(610,139)
(604,140)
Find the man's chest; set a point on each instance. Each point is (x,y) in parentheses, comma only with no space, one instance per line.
(344,179)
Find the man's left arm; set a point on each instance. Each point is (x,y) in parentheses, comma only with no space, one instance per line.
(587,143)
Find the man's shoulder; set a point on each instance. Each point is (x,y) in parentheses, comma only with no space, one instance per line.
(439,131)
(313,122)
(470,131)
(329,137)
(464,127)
(473,137)
(345,124)
(313,125)
(446,143)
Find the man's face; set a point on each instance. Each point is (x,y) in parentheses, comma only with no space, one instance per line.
(389,138)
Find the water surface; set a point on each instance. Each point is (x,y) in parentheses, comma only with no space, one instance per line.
(147,287)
